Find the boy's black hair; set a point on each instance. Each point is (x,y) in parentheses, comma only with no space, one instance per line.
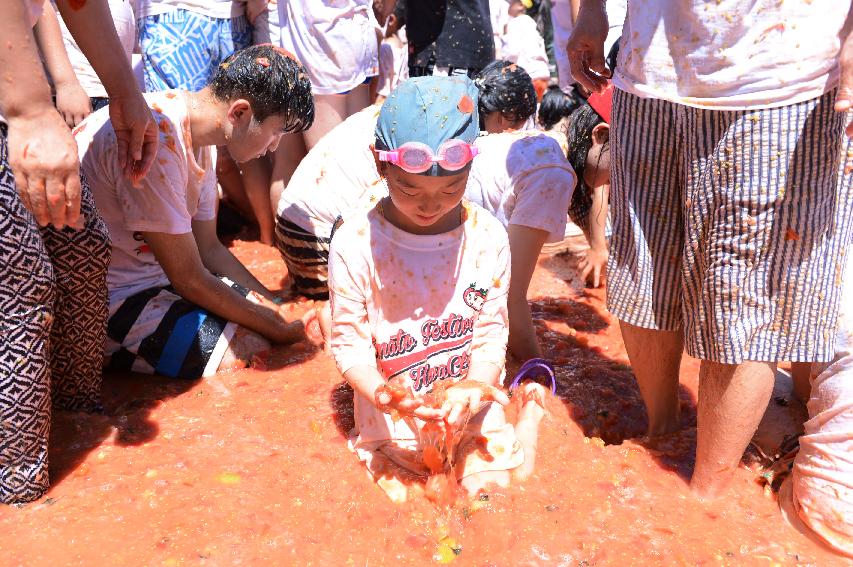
(579,138)
(506,88)
(556,105)
(273,82)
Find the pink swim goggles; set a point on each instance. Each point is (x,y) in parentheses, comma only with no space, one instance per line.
(416,157)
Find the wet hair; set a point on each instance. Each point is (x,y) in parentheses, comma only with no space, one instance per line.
(506,88)
(557,105)
(579,138)
(273,82)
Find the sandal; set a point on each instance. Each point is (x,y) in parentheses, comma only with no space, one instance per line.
(533,367)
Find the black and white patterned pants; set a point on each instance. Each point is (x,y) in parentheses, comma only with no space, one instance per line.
(53,312)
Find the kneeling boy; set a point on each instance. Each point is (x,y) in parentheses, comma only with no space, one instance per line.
(181,304)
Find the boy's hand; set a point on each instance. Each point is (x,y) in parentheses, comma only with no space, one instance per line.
(844,99)
(467,396)
(73,103)
(586,46)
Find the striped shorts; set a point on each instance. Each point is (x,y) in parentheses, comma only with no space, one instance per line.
(731,225)
(306,256)
(156,331)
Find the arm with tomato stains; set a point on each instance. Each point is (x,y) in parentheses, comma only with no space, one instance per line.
(844,99)
(91,24)
(586,45)
(593,266)
(71,100)
(42,153)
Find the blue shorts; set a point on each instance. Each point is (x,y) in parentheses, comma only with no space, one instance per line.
(183,49)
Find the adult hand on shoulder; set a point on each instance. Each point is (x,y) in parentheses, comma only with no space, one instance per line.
(43,157)
(136,133)
(844,99)
(593,266)
(73,103)
(586,46)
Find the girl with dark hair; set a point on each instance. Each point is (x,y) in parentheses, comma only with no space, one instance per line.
(556,108)
(507,97)
(588,138)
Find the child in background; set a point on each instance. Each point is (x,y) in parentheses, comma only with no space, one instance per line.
(523,45)
(393,54)
(418,290)
(507,98)
(180,304)
(555,109)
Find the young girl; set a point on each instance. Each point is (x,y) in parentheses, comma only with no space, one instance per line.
(418,290)
(589,154)
(393,54)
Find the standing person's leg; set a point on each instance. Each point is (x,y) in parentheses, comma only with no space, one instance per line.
(357,99)
(26,312)
(769,227)
(644,269)
(287,158)
(80,259)
(329,111)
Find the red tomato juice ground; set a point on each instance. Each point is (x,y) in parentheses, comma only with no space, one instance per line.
(252,467)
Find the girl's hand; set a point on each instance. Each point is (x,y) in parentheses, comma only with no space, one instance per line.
(391,397)
(313,327)
(593,266)
(73,103)
(467,396)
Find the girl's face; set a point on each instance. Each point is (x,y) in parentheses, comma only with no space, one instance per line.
(424,204)
(596,171)
(495,123)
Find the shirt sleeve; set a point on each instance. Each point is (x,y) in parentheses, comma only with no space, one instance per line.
(542,199)
(491,330)
(159,203)
(351,341)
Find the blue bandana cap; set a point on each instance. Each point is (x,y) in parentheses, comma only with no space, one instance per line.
(429,110)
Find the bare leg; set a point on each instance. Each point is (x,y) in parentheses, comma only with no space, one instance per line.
(329,111)
(290,152)
(228,175)
(527,427)
(256,180)
(357,99)
(244,346)
(732,400)
(801,374)
(655,358)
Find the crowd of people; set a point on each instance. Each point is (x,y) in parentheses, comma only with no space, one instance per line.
(410,159)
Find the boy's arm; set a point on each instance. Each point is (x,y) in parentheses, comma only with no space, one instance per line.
(488,345)
(179,257)
(93,29)
(71,100)
(219,260)
(525,244)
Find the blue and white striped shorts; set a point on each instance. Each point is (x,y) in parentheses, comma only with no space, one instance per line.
(182,49)
(731,225)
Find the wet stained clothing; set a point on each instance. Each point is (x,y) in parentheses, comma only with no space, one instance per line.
(449,33)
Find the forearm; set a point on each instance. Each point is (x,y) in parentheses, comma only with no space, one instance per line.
(94,31)
(24,91)
(523,342)
(598,219)
(220,260)
(49,38)
(210,293)
(364,380)
(485,372)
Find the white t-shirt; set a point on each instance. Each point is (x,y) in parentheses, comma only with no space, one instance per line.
(222,9)
(179,188)
(418,307)
(523,45)
(334,39)
(393,65)
(523,178)
(125,24)
(338,177)
(732,54)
